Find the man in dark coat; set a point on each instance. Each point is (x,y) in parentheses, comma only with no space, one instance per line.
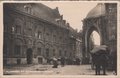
(62,61)
(100,60)
(77,61)
(55,63)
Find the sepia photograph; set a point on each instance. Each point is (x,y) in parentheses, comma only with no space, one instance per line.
(60,38)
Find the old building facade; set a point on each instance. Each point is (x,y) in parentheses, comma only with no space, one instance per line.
(34,31)
(102,19)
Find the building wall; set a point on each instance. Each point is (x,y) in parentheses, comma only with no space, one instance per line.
(106,26)
(111,16)
(23,31)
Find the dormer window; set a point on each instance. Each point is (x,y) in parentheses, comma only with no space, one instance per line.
(27,8)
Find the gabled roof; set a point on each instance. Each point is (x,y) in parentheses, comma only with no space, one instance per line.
(45,12)
(41,11)
(37,9)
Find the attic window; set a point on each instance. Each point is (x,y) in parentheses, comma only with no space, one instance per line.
(27,8)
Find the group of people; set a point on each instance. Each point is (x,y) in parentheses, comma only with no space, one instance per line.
(55,62)
(100,61)
(64,61)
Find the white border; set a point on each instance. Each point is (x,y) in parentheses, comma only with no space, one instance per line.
(56,76)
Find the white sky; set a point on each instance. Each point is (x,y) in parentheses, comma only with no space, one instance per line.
(73,12)
(96,38)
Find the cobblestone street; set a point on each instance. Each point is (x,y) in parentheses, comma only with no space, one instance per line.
(48,70)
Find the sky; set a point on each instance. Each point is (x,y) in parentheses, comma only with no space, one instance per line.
(96,38)
(73,12)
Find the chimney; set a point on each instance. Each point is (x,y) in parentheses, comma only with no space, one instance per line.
(68,25)
(61,17)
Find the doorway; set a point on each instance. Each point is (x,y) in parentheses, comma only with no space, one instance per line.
(29,56)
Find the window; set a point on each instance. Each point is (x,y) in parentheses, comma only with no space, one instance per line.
(39,35)
(60,53)
(47,52)
(30,32)
(13,29)
(17,50)
(54,37)
(27,8)
(39,51)
(110,9)
(18,29)
(65,53)
(47,36)
(36,34)
(53,52)
(60,37)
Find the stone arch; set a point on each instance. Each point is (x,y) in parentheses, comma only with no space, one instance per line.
(87,36)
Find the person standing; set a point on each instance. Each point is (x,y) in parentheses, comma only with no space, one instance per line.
(100,60)
(62,61)
(55,63)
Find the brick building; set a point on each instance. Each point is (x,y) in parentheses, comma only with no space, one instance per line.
(33,31)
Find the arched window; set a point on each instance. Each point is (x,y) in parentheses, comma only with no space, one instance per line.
(18,29)
(30,32)
(39,35)
(17,49)
(13,29)
(39,51)
(47,52)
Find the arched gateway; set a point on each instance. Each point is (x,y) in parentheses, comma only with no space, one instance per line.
(98,20)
